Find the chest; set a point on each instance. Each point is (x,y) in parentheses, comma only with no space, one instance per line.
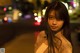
(60,45)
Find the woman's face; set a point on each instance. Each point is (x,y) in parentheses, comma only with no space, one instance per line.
(55,24)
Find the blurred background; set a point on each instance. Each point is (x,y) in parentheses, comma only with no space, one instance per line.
(20,23)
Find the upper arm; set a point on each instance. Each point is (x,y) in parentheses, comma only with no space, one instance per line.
(39,40)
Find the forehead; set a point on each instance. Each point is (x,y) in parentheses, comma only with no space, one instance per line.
(52,12)
(55,14)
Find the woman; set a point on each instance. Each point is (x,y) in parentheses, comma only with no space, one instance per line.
(55,38)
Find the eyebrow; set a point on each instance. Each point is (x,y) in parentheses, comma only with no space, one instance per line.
(52,15)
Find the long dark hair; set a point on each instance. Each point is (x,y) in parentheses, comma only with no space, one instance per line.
(62,15)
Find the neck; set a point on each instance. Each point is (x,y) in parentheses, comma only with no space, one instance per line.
(59,33)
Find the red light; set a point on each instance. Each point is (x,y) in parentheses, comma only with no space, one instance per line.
(5,9)
(37,23)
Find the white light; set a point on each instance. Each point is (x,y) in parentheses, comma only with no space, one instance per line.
(70,11)
(39,16)
(36,18)
(35,14)
(20,14)
(65,4)
(39,20)
(74,4)
(10,8)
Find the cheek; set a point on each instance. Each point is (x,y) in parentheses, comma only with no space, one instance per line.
(60,24)
(49,22)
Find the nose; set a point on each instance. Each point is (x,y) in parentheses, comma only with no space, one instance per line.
(54,22)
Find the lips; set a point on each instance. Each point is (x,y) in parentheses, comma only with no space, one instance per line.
(53,27)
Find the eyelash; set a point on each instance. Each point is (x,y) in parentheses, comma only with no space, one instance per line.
(51,17)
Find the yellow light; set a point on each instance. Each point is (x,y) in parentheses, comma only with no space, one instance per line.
(43,11)
(30,0)
(15,14)
(39,13)
(39,17)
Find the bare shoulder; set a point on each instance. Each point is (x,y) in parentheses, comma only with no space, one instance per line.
(67,43)
(66,46)
(41,34)
(40,39)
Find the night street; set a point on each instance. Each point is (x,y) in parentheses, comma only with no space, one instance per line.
(20,38)
(22,20)
(23,43)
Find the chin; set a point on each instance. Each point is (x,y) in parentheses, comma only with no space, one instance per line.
(54,30)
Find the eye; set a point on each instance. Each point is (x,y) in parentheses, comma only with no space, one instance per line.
(58,19)
(51,17)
